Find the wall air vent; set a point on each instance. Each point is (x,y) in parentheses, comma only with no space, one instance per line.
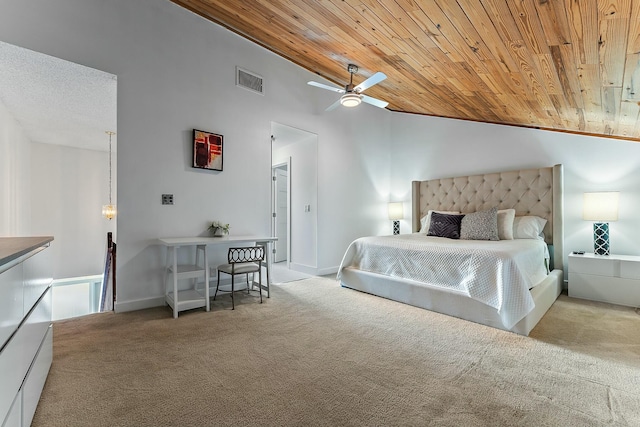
(250,81)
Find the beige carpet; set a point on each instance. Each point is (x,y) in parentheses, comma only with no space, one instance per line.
(316,354)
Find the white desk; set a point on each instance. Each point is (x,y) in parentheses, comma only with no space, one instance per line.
(191,298)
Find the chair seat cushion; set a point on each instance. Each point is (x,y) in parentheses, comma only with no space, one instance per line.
(243,268)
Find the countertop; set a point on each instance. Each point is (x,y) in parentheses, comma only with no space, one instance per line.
(14,247)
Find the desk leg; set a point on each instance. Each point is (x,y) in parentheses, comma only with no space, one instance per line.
(267,262)
(206,279)
(269,268)
(267,246)
(167,265)
(175,282)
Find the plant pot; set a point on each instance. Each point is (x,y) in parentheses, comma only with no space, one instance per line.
(218,232)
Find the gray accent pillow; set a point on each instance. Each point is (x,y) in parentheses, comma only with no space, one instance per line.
(481,225)
(425,221)
(443,225)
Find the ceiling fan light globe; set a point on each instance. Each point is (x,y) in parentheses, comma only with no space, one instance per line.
(350,100)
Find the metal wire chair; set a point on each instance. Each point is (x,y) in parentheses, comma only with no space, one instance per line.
(243,260)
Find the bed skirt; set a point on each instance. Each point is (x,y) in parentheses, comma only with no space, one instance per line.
(453,303)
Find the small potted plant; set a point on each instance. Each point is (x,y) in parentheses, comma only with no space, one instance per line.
(218,229)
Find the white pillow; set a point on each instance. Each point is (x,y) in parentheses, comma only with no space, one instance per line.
(425,221)
(528,227)
(505,223)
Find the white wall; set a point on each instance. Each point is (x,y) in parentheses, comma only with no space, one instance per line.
(69,187)
(427,147)
(15,182)
(175,73)
(353,176)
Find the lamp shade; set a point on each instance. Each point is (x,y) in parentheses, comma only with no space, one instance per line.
(395,211)
(601,207)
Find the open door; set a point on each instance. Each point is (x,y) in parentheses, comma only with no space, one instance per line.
(281,214)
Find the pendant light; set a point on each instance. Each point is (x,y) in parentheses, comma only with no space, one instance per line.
(109,211)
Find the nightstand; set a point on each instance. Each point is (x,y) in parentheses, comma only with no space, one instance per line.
(613,278)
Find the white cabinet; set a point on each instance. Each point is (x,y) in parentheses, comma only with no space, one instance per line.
(26,346)
(614,278)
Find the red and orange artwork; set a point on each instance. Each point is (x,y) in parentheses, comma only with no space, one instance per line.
(207,150)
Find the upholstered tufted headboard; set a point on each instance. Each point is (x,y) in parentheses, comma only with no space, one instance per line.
(529,191)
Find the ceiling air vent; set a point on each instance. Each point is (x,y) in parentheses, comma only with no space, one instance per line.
(248,80)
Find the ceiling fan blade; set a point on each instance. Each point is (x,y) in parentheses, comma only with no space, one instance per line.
(374,101)
(375,79)
(333,106)
(327,87)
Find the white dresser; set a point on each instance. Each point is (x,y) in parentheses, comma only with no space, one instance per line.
(26,339)
(613,278)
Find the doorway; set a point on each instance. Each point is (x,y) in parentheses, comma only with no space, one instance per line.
(57,114)
(281,204)
(294,202)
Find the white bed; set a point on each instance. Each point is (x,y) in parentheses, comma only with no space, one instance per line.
(521,296)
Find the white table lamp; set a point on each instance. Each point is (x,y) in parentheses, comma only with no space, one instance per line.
(396,213)
(601,207)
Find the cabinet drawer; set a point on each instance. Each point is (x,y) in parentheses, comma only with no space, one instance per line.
(36,325)
(11,302)
(14,417)
(34,383)
(18,354)
(12,367)
(594,265)
(630,269)
(614,290)
(37,276)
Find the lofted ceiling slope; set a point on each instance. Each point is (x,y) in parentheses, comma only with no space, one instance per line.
(567,65)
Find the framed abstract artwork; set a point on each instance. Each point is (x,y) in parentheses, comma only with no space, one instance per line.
(207,150)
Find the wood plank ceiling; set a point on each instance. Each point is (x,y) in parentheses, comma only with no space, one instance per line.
(569,65)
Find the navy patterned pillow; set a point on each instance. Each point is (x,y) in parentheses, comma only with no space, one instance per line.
(481,225)
(444,225)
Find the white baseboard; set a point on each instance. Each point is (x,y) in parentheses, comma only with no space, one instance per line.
(301,268)
(328,270)
(140,304)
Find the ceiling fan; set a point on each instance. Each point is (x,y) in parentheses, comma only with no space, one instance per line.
(353,94)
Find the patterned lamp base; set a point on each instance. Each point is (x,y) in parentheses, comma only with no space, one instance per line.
(601,238)
(396,227)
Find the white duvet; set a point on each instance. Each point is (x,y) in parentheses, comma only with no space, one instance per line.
(496,273)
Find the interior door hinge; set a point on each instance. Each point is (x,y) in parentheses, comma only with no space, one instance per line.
(273,214)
